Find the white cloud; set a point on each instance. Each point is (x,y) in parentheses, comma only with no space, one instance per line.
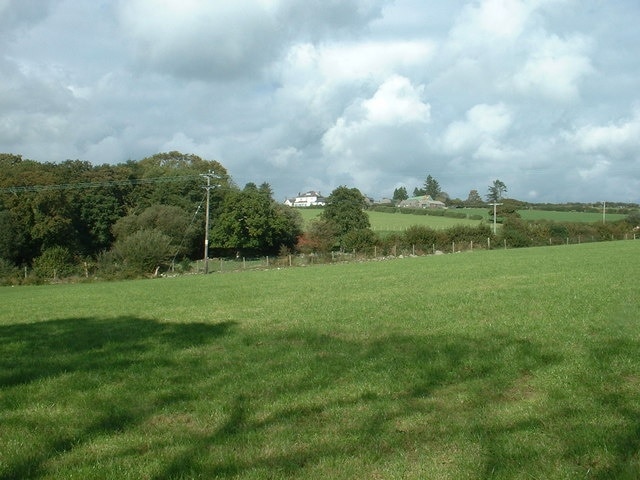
(497,19)
(555,68)
(397,101)
(480,132)
(614,139)
(372,131)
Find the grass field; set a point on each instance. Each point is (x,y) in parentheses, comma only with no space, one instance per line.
(397,222)
(486,365)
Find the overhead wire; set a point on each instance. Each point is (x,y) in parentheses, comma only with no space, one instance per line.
(110,183)
(193,219)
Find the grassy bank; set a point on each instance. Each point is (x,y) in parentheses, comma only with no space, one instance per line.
(495,364)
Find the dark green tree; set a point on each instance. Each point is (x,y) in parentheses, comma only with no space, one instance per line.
(266,189)
(251,222)
(419,192)
(400,194)
(345,209)
(432,187)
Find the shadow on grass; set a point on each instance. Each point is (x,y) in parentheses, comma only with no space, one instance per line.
(98,366)
(212,401)
(37,350)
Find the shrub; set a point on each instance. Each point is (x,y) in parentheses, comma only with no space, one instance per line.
(9,273)
(143,251)
(420,236)
(516,233)
(55,262)
(360,240)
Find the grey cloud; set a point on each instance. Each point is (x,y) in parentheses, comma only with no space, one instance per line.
(15,15)
(231,40)
(311,95)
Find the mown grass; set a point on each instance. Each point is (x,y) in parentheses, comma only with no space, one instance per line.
(495,364)
(397,222)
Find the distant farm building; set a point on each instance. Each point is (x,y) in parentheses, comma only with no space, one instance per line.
(423,201)
(307,199)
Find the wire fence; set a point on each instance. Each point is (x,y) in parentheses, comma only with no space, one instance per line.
(223,265)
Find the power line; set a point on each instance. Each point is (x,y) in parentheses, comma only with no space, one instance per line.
(110,183)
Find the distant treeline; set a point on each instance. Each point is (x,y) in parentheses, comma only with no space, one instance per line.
(76,218)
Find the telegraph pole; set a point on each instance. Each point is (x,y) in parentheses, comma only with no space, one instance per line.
(495,204)
(208,176)
(604,211)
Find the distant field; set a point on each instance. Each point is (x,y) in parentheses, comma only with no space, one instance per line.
(493,364)
(397,221)
(586,217)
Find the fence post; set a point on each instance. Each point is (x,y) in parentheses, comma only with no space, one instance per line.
(505,243)
(453,247)
(488,243)
(471,245)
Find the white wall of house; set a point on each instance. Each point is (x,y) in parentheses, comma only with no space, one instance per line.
(308,199)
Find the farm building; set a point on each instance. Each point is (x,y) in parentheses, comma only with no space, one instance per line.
(423,201)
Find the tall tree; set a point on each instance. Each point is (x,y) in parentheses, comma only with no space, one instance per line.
(419,192)
(400,194)
(432,187)
(496,190)
(345,209)
(265,189)
(474,199)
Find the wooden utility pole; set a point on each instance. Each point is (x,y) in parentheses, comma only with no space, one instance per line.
(208,176)
(495,204)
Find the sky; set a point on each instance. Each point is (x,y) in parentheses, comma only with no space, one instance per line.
(543,95)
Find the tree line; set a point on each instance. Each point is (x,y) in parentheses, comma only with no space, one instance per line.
(128,219)
(141,217)
(431,187)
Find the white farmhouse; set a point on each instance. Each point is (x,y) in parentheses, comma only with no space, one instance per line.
(307,199)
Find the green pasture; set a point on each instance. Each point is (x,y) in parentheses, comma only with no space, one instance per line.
(494,364)
(396,222)
(381,221)
(577,217)
(532,214)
